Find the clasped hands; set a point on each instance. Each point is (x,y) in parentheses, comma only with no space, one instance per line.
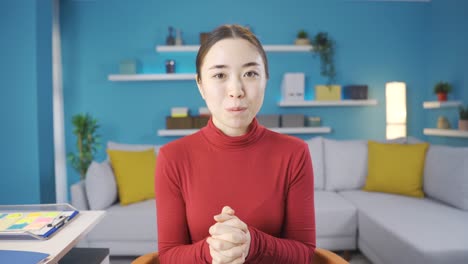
(230,238)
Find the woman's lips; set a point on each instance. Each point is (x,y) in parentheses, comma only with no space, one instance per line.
(236,109)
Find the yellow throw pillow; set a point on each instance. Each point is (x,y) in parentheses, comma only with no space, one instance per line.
(134,174)
(396,168)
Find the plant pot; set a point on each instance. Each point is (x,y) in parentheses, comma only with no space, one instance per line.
(328,92)
(442,97)
(463,125)
(302,41)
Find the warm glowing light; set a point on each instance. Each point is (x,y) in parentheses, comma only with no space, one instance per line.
(395,97)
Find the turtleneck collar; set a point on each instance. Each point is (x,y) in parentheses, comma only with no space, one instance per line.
(217,138)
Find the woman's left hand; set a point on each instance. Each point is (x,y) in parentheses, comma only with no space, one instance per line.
(230,238)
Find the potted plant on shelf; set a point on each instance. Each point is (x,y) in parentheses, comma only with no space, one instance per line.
(463,121)
(87,142)
(324,47)
(302,38)
(442,89)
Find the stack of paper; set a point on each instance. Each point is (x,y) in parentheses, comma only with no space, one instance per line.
(179,112)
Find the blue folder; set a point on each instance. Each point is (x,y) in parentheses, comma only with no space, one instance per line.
(22,257)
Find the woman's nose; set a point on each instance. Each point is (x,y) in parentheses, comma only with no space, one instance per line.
(236,88)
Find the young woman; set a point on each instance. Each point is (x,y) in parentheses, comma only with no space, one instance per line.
(234,192)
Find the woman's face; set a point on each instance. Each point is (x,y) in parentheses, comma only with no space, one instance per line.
(233,82)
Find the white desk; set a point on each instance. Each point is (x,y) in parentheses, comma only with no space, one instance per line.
(62,242)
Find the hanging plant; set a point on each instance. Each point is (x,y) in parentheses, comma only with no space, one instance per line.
(324,46)
(87,142)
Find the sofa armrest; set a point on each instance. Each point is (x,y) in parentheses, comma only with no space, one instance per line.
(79,200)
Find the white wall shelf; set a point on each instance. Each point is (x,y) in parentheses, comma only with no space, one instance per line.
(437,104)
(283,130)
(313,103)
(445,132)
(151,77)
(268,48)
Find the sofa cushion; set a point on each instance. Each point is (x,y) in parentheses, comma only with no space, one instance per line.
(134,173)
(401,229)
(134,222)
(316,153)
(396,168)
(446,175)
(131,147)
(345,164)
(334,216)
(101,188)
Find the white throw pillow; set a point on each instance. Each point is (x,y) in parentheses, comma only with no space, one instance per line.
(101,187)
(446,175)
(316,153)
(345,164)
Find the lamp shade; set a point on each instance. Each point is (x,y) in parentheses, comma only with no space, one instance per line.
(395,97)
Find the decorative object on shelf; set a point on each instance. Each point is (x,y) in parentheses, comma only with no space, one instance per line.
(292,120)
(292,86)
(328,92)
(270,121)
(179,122)
(87,142)
(130,66)
(442,89)
(443,123)
(302,38)
(204,37)
(170,66)
(178,39)
(463,121)
(324,46)
(313,121)
(179,112)
(355,92)
(204,111)
(170,40)
(200,121)
(395,101)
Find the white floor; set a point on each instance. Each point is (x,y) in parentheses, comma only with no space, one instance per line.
(357,258)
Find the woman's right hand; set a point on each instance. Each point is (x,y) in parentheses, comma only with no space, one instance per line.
(230,238)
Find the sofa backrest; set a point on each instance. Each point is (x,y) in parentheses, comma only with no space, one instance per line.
(446,175)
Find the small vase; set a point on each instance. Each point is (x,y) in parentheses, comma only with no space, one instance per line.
(442,97)
(302,41)
(443,123)
(463,125)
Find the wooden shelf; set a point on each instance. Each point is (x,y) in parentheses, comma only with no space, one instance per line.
(267,48)
(437,104)
(445,132)
(313,103)
(151,77)
(283,130)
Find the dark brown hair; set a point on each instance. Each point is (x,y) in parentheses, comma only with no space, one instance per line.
(224,32)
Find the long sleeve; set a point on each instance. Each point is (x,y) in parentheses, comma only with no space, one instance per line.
(297,244)
(174,242)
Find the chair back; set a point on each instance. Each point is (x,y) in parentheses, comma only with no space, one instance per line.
(321,256)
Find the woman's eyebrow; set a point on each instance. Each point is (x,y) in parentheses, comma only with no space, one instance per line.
(222,66)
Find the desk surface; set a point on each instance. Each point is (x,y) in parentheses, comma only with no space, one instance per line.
(62,242)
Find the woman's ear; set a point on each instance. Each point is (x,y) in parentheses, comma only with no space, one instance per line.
(200,87)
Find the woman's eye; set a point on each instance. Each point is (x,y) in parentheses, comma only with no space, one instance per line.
(219,76)
(251,74)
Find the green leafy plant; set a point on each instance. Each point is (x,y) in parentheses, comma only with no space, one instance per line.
(463,113)
(302,34)
(442,87)
(324,46)
(87,142)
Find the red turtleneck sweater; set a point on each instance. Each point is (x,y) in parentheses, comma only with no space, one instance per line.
(266,177)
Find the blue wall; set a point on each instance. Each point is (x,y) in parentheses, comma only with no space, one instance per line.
(377,42)
(26,153)
(448,61)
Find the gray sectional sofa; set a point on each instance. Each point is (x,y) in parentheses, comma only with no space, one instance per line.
(387,228)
